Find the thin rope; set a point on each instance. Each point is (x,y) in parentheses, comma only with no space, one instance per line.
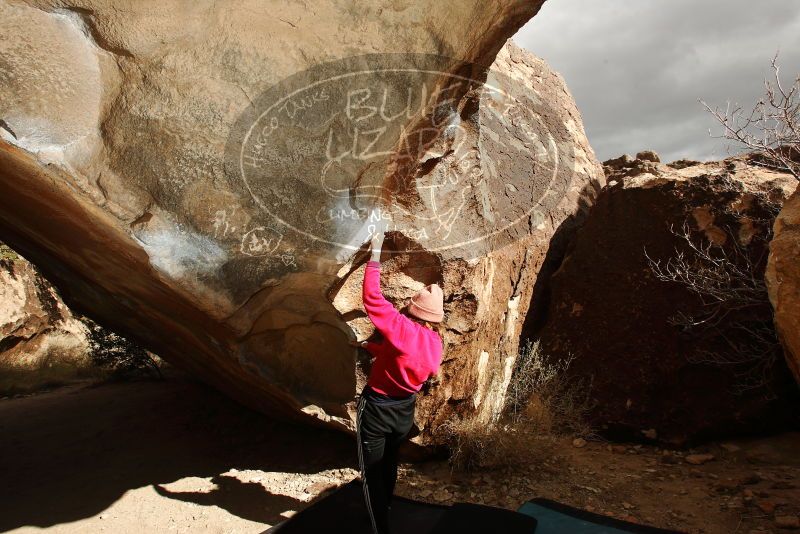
(361,403)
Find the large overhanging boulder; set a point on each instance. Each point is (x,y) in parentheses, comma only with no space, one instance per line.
(201,178)
(783,279)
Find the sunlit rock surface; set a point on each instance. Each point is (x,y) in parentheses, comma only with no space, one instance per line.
(783,280)
(41,342)
(131,172)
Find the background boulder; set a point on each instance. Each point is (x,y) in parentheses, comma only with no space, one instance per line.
(41,342)
(672,336)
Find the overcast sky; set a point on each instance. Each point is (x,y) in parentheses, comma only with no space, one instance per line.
(637,67)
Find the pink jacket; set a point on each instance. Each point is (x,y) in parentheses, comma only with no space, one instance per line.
(409,354)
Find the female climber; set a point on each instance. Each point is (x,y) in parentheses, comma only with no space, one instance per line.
(409,353)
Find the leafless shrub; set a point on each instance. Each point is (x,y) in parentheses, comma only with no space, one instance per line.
(474,444)
(542,396)
(122,357)
(724,280)
(735,308)
(541,404)
(771,129)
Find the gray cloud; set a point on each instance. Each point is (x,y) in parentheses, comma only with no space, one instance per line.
(638,67)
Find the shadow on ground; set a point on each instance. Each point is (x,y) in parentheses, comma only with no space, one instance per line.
(70,454)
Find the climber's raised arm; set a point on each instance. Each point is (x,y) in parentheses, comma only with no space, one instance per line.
(386,318)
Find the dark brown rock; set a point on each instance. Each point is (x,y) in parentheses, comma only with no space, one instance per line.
(789,522)
(645,365)
(683,163)
(620,162)
(648,155)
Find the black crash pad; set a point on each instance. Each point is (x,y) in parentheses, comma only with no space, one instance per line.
(343,510)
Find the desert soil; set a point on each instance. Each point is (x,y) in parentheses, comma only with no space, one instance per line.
(175,456)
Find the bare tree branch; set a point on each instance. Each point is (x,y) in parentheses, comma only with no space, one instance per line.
(771,129)
(727,280)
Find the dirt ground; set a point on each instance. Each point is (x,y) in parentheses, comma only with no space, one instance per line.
(175,456)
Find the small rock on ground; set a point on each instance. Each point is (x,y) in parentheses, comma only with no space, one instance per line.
(699,459)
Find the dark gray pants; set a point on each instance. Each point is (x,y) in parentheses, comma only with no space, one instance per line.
(382,426)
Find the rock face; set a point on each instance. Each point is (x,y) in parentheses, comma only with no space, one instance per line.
(486,298)
(690,361)
(783,279)
(162,169)
(41,342)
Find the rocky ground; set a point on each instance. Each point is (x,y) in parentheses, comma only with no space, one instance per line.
(742,486)
(174,456)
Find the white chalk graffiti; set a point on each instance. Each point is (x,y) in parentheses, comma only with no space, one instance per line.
(260,241)
(428,144)
(222,225)
(288,259)
(301,103)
